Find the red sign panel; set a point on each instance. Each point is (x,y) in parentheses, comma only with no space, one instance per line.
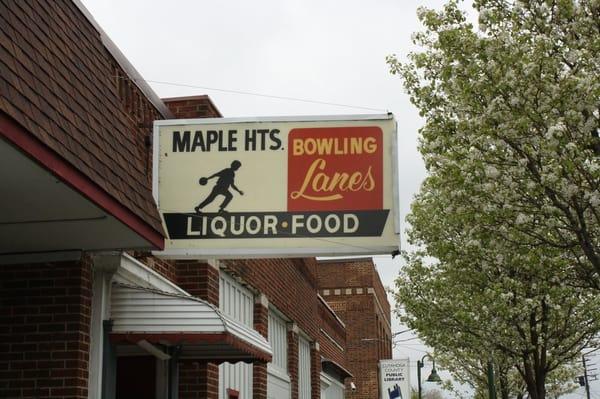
(337,168)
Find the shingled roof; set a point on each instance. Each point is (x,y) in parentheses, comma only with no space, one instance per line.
(61,82)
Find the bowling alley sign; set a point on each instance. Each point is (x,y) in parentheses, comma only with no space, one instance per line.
(304,186)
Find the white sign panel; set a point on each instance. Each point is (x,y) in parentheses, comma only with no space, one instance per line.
(394,379)
(277,186)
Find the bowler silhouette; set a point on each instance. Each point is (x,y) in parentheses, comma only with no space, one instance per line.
(225,180)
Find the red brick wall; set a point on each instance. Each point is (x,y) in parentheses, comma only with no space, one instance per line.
(381,293)
(363,345)
(309,268)
(366,313)
(331,329)
(192,107)
(286,283)
(357,273)
(353,273)
(44,330)
(361,278)
(259,369)
(198,380)
(199,279)
(259,380)
(261,319)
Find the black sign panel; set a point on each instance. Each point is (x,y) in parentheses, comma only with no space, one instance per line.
(275,224)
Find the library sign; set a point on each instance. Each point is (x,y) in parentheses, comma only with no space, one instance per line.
(394,379)
(277,186)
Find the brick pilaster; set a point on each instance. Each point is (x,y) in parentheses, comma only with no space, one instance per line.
(261,324)
(292,339)
(44,329)
(199,279)
(198,380)
(259,380)
(261,315)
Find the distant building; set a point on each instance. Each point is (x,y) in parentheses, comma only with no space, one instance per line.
(354,291)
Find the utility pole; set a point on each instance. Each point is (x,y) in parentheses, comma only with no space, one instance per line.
(419,365)
(585,377)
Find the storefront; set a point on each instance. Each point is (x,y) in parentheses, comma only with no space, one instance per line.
(143,326)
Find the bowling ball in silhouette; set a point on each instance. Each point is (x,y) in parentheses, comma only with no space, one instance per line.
(203,181)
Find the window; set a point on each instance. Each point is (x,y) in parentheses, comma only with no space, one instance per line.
(237,302)
(303,368)
(278,379)
(278,341)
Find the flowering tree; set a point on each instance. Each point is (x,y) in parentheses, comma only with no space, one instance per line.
(512,312)
(512,122)
(470,367)
(508,220)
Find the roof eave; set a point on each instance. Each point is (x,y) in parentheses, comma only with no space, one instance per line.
(124,63)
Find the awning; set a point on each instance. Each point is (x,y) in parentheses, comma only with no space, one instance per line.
(335,369)
(48,206)
(198,327)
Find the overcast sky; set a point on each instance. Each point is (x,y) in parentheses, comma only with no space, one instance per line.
(327,51)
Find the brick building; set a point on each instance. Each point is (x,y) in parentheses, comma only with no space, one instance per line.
(354,291)
(86,310)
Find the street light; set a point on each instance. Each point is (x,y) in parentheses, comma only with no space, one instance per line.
(433,377)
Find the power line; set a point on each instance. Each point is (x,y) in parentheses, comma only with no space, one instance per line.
(412,349)
(408,339)
(402,332)
(249,93)
(592,351)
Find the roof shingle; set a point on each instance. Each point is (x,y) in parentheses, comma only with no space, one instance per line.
(59,81)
